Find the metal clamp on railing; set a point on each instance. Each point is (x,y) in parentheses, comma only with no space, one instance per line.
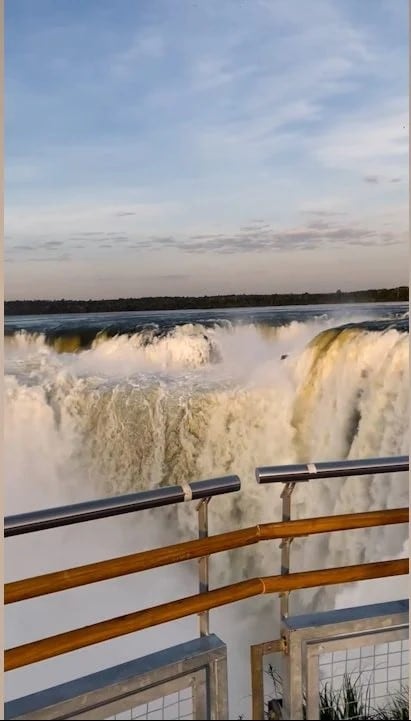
(330,469)
(108,507)
(144,500)
(292,474)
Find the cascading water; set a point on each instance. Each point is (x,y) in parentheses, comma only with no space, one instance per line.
(92,414)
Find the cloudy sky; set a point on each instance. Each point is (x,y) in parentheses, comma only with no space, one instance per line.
(160,147)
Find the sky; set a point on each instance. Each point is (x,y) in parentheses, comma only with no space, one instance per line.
(181,147)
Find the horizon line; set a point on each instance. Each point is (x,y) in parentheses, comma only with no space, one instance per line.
(199,297)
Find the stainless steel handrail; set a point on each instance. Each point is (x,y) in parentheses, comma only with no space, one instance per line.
(330,469)
(158,497)
(107,507)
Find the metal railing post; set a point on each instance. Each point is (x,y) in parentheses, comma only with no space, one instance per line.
(203,564)
(257,682)
(292,677)
(257,653)
(285,546)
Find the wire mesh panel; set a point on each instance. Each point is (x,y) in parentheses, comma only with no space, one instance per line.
(374,675)
(359,676)
(188,681)
(183,697)
(348,663)
(179,705)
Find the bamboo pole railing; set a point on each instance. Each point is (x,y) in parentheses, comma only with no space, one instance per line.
(16,591)
(52,646)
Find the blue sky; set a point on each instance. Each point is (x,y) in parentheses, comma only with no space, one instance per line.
(158,147)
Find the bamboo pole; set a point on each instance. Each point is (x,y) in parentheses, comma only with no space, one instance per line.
(105,630)
(189,550)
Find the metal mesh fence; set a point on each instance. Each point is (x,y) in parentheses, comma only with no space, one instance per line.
(365,679)
(178,705)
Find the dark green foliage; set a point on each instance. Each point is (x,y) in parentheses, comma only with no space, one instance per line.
(352,701)
(38,307)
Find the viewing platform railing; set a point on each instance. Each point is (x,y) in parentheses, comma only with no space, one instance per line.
(201,548)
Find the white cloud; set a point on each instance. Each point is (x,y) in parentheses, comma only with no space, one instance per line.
(260,108)
(208,73)
(375,144)
(148,44)
(63,220)
(324,204)
(23,171)
(267,106)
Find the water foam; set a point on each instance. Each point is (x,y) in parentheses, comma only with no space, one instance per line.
(128,414)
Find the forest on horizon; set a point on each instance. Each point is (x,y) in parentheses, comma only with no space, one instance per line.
(207,302)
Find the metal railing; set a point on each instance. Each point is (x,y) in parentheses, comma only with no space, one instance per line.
(118,505)
(320,654)
(314,642)
(198,490)
(200,549)
(203,491)
(292,474)
(330,469)
(185,681)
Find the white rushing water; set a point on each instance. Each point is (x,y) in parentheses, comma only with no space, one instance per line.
(134,412)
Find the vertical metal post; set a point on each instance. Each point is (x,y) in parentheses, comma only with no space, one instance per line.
(218,690)
(312,684)
(285,545)
(292,677)
(200,700)
(257,682)
(202,510)
(257,653)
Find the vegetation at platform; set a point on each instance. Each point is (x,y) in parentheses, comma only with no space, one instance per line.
(351,701)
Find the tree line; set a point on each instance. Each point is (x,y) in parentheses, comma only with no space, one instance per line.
(39,307)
